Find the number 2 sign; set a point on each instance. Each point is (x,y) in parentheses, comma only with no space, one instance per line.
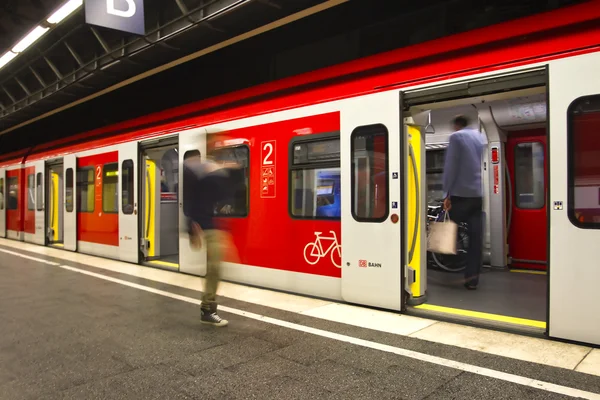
(267,169)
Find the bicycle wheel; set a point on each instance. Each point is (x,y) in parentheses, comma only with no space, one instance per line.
(336,256)
(312,254)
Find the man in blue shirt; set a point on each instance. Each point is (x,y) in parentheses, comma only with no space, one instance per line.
(463,191)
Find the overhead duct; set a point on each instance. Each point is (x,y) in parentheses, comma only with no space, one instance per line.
(515,113)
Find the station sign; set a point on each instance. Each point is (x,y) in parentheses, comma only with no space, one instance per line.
(122,15)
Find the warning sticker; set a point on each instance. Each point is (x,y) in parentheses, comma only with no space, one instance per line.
(267,170)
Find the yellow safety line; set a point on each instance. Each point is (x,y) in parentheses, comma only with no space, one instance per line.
(525,271)
(482,315)
(57,244)
(164,263)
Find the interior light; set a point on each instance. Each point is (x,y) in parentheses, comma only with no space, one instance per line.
(6,58)
(29,39)
(64,11)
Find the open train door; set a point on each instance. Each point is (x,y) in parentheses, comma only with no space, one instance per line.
(372,221)
(129,242)
(70,211)
(574,219)
(191,143)
(3,202)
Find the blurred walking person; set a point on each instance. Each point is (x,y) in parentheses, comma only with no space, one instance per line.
(463,191)
(207,184)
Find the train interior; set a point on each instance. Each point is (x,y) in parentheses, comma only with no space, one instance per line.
(54,200)
(159,216)
(513,283)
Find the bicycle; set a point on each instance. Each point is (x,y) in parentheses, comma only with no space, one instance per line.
(448,262)
(316,250)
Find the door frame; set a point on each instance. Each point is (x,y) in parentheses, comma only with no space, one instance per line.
(412,147)
(170,142)
(50,164)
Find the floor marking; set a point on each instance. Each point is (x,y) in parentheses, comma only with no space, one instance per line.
(526,271)
(29,257)
(164,263)
(481,315)
(520,380)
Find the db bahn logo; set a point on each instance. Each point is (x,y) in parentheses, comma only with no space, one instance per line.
(366,264)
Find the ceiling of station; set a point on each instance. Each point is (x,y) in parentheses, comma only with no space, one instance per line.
(75,61)
(17,17)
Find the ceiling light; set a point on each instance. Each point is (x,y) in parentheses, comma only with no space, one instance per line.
(29,39)
(64,11)
(6,58)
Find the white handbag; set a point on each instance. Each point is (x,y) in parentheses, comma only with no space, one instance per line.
(442,236)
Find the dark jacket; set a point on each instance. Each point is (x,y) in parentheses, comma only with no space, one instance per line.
(205,185)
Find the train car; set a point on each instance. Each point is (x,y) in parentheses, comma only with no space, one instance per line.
(334,174)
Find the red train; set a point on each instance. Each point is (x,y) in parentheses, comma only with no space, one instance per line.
(331,200)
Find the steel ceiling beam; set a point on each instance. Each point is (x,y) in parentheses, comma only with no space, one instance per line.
(124,52)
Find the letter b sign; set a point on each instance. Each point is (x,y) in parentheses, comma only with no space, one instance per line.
(122,15)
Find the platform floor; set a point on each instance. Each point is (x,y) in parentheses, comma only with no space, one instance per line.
(514,294)
(79,327)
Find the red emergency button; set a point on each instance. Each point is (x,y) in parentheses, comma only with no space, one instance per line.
(495,158)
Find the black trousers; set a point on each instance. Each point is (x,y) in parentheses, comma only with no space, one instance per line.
(470,210)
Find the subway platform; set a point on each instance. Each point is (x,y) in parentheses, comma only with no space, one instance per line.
(81,327)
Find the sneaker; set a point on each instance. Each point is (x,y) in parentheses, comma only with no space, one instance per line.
(212,318)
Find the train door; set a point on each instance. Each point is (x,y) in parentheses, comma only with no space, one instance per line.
(372,213)
(36,201)
(191,143)
(2,201)
(128,202)
(575,198)
(159,210)
(526,200)
(70,208)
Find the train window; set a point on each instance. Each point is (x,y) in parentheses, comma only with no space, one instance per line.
(187,195)
(369,173)
(31,192)
(69,190)
(190,154)
(315,177)
(127,188)
(584,162)
(85,189)
(529,175)
(1,193)
(435,173)
(110,180)
(12,184)
(238,159)
(39,199)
